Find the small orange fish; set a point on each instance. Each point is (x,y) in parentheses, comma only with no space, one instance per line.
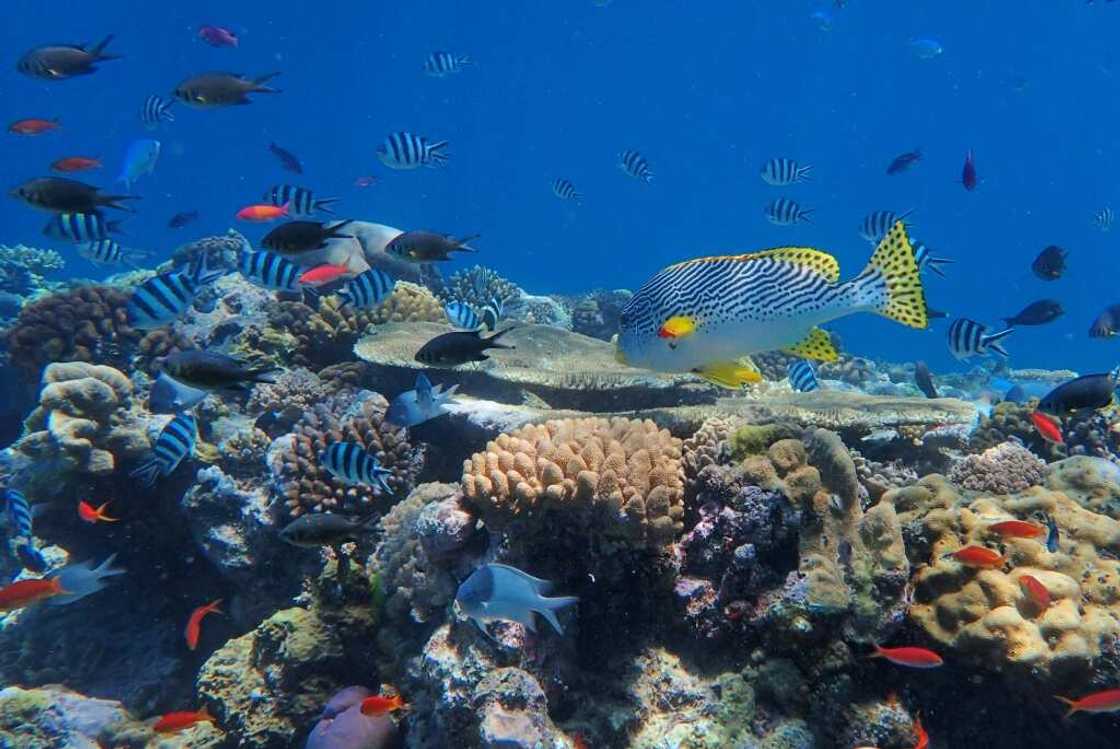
(1048,427)
(977,556)
(678,326)
(262,213)
(91,514)
(33,126)
(922,738)
(179,721)
(380,705)
(909,656)
(76,164)
(26,592)
(194,623)
(1017,529)
(323,274)
(578,742)
(1035,590)
(1107,701)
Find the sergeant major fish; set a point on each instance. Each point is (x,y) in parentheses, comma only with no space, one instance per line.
(565,190)
(351,464)
(404,150)
(500,592)
(301,201)
(926,259)
(80,227)
(268,270)
(786,212)
(462,315)
(156,112)
(109,252)
(781,172)
(368,289)
(634,164)
(736,305)
(969,338)
(1104,218)
(165,297)
(802,376)
(175,442)
(421,404)
(877,223)
(440,64)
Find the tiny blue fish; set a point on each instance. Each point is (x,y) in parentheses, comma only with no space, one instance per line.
(404,150)
(802,376)
(440,64)
(925,258)
(351,464)
(462,315)
(414,407)
(1053,537)
(269,270)
(156,111)
(498,591)
(140,159)
(174,443)
(926,49)
(634,164)
(161,299)
(367,289)
(80,227)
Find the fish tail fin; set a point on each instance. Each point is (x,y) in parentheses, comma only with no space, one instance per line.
(147,473)
(993,341)
(80,580)
(265,374)
(322,204)
(1071,703)
(890,285)
(491,342)
(260,88)
(98,50)
(114,201)
(806,215)
(877,653)
(437,156)
(311,296)
(549,607)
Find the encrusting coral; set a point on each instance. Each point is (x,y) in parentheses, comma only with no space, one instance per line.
(619,478)
(1004,469)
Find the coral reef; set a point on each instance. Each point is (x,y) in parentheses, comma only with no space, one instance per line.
(477,286)
(616,478)
(23,268)
(58,717)
(307,487)
(1004,469)
(597,313)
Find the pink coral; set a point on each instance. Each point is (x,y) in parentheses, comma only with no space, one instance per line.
(1004,469)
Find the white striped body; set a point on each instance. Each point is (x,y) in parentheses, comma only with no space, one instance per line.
(440,64)
(368,289)
(636,165)
(877,223)
(1103,218)
(301,201)
(786,212)
(174,443)
(781,172)
(156,111)
(967,338)
(268,270)
(565,190)
(462,316)
(405,150)
(802,376)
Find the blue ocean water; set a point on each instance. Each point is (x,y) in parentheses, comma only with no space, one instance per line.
(706,92)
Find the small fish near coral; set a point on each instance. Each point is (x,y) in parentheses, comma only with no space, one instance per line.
(313,530)
(498,592)
(194,622)
(911,657)
(90,514)
(421,404)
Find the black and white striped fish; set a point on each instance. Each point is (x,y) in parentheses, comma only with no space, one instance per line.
(782,172)
(462,315)
(440,64)
(1103,218)
(80,227)
(802,376)
(786,212)
(19,513)
(565,190)
(351,464)
(163,298)
(492,313)
(300,200)
(404,150)
(108,252)
(174,443)
(156,111)
(634,164)
(877,223)
(926,259)
(367,289)
(268,270)
(970,338)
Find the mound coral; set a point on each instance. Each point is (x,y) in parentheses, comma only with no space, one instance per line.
(307,487)
(1004,469)
(619,478)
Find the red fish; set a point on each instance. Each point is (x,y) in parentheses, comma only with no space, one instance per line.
(33,126)
(1098,702)
(968,173)
(76,164)
(194,624)
(1035,591)
(909,656)
(977,556)
(218,36)
(261,213)
(91,514)
(26,592)
(381,705)
(1017,529)
(578,742)
(1048,427)
(921,738)
(323,274)
(179,721)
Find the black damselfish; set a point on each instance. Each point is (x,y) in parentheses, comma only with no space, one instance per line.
(459,347)
(208,370)
(1050,263)
(1037,313)
(303,236)
(1086,392)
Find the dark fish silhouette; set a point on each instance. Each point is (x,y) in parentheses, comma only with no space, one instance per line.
(924,379)
(179,220)
(302,236)
(222,89)
(62,195)
(326,529)
(59,61)
(968,172)
(1091,391)
(1107,323)
(459,347)
(1037,313)
(904,161)
(208,370)
(1050,263)
(427,246)
(287,159)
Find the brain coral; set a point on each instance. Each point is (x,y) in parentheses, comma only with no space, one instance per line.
(618,477)
(1006,468)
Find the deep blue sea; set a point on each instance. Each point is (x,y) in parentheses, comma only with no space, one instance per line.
(706,91)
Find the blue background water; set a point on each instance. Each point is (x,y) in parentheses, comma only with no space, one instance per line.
(706,91)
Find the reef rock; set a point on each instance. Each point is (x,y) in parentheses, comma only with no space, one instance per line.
(58,718)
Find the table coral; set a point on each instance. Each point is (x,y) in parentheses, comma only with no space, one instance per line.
(1006,468)
(618,478)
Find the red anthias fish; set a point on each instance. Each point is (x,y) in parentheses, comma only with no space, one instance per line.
(218,36)
(1017,529)
(381,705)
(194,624)
(26,592)
(1047,426)
(1107,701)
(261,212)
(76,164)
(1034,589)
(921,738)
(323,274)
(33,126)
(91,514)
(968,173)
(180,721)
(977,556)
(909,656)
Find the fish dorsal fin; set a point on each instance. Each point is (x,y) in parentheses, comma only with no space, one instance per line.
(817,345)
(803,257)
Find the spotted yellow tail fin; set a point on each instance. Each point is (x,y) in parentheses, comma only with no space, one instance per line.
(891,277)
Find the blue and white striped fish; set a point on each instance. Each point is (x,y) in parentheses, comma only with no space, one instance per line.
(926,259)
(705,315)
(969,338)
(108,252)
(351,464)
(161,299)
(492,313)
(634,164)
(174,443)
(782,172)
(877,223)
(80,227)
(462,315)
(301,201)
(565,190)
(786,212)
(156,111)
(802,376)
(440,64)
(19,513)
(367,289)
(404,150)
(268,270)
(1104,218)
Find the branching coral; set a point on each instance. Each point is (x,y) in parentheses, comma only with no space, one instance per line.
(1003,469)
(477,286)
(619,478)
(22,268)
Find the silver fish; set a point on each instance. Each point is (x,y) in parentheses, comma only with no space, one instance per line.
(500,592)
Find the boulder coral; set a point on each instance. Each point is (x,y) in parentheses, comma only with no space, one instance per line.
(1004,469)
(618,478)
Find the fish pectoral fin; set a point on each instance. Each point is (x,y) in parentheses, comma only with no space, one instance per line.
(817,345)
(730,374)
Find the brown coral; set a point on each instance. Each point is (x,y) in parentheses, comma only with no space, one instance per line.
(1006,468)
(307,487)
(617,477)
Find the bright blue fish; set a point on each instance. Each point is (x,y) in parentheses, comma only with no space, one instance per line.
(350,463)
(498,591)
(140,159)
(414,407)
(174,443)
(82,579)
(367,289)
